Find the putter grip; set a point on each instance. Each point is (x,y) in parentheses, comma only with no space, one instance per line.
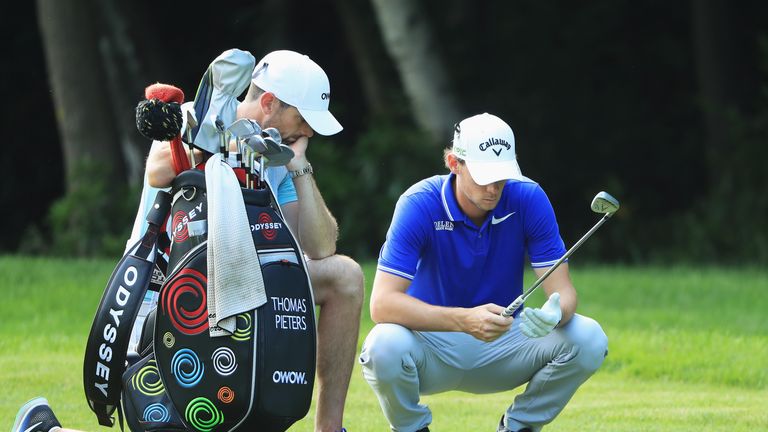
(510,310)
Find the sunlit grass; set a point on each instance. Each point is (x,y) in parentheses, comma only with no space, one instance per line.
(688,350)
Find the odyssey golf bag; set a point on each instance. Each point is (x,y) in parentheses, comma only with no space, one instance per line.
(258,373)
(258,378)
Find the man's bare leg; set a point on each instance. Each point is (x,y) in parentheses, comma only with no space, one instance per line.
(337,282)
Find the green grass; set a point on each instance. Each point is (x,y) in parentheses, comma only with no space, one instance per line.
(688,350)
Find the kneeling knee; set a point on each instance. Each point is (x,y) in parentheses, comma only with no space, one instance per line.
(592,342)
(385,351)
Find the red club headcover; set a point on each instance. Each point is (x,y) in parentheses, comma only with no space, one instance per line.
(159,117)
(164,92)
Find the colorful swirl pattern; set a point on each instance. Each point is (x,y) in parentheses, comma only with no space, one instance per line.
(243,328)
(224,361)
(226,395)
(147,380)
(157,413)
(187,368)
(202,414)
(187,284)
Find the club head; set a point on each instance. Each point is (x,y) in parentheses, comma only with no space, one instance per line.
(274,134)
(190,119)
(273,147)
(256,144)
(219,124)
(189,122)
(280,158)
(244,127)
(604,203)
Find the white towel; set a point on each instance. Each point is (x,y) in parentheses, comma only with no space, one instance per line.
(235,283)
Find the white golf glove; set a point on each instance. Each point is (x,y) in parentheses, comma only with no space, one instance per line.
(537,322)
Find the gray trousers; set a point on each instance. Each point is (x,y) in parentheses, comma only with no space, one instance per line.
(400,365)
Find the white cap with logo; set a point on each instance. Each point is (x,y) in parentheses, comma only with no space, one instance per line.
(298,81)
(487,145)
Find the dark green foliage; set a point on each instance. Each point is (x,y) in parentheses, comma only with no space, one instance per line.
(93,220)
(730,224)
(362,184)
(602,95)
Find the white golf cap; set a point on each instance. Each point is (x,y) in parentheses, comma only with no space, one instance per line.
(487,145)
(298,81)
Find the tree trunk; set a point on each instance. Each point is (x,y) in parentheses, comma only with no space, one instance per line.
(363,38)
(716,76)
(80,93)
(408,38)
(126,82)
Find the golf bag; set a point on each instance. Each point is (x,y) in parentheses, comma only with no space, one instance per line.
(140,268)
(254,370)
(261,376)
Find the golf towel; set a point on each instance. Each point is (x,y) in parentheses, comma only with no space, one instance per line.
(235,282)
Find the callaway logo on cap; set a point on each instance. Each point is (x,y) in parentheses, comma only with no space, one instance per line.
(298,81)
(487,145)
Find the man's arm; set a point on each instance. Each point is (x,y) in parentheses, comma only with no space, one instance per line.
(309,218)
(560,281)
(390,303)
(160,172)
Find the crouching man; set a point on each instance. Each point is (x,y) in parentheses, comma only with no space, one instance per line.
(452,259)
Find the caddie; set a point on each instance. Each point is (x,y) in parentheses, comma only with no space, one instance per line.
(291,93)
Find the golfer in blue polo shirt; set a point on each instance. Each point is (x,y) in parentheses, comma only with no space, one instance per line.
(452,259)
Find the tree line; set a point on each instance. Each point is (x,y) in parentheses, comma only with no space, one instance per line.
(662,104)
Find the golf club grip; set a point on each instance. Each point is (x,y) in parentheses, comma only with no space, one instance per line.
(511,309)
(179,156)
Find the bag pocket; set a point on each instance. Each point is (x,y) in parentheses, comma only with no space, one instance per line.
(145,402)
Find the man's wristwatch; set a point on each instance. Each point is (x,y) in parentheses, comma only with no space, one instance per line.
(298,173)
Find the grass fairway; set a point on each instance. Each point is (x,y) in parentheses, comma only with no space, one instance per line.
(688,350)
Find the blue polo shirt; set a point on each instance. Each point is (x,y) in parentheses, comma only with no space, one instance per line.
(451,261)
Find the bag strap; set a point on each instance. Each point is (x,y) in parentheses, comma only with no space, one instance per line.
(107,347)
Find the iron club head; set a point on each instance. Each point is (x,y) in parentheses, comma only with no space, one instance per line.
(280,158)
(604,203)
(244,127)
(256,143)
(189,123)
(272,133)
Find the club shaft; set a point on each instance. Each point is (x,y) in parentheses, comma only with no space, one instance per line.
(188,133)
(515,305)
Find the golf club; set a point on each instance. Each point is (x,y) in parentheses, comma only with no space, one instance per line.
(277,153)
(223,145)
(256,143)
(256,146)
(190,123)
(252,183)
(273,140)
(244,128)
(602,203)
(282,157)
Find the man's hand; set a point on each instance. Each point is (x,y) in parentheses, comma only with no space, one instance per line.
(540,322)
(299,148)
(485,322)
